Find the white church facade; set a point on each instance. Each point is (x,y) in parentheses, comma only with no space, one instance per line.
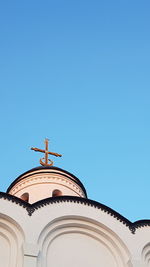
(47,220)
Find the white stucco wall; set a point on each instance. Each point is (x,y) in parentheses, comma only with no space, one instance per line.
(69,233)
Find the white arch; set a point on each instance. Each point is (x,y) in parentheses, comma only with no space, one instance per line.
(82,225)
(146,254)
(11,232)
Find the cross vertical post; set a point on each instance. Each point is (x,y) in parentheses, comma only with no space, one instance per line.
(46,151)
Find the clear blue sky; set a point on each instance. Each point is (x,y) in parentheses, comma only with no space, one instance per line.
(78,72)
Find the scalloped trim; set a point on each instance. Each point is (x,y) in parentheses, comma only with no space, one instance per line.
(30,208)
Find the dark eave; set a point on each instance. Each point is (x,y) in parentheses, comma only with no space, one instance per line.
(31,208)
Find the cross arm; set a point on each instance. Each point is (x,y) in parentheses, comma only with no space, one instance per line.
(37,149)
(55,154)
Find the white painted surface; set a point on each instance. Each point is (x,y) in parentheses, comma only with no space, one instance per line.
(4,250)
(78,249)
(65,233)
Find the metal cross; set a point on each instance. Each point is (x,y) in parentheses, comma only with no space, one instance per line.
(46,159)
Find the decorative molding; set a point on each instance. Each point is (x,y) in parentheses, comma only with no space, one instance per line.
(13,235)
(146,254)
(82,226)
(31,208)
(46,169)
(46,178)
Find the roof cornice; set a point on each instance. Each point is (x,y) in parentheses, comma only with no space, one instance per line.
(31,208)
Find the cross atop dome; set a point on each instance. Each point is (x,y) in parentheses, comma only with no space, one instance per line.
(46,159)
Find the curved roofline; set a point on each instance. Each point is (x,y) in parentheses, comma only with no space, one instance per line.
(75,179)
(31,208)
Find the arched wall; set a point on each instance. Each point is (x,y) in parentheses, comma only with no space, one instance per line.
(76,241)
(146,255)
(79,225)
(11,243)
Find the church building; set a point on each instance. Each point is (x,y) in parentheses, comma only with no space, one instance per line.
(46,219)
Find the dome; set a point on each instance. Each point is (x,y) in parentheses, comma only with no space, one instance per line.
(44,182)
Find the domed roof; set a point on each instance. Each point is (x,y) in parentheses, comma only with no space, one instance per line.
(41,180)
